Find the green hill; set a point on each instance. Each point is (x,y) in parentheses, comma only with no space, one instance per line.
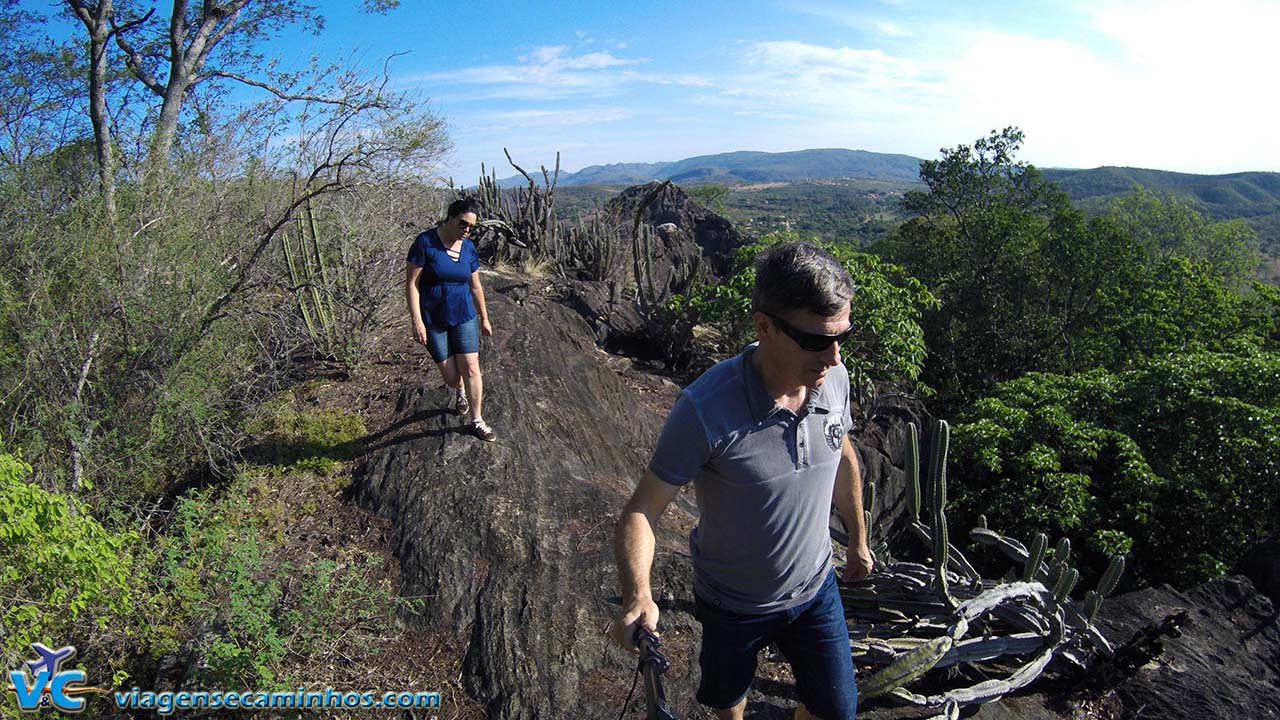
(750,167)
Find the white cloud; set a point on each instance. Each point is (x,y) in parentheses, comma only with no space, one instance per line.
(892,29)
(1178,86)
(541,118)
(548,72)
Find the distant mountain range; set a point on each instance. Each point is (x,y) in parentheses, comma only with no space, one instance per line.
(1247,194)
(749,167)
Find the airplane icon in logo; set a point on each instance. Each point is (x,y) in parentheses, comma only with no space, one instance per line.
(50,660)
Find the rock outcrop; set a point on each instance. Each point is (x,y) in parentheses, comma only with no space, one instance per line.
(508,545)
(681,223)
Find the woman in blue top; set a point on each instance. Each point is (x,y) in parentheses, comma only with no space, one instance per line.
(442,278)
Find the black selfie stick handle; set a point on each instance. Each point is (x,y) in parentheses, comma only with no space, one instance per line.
(652,665)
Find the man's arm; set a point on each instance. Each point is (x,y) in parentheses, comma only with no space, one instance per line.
(633,543)
(848,497)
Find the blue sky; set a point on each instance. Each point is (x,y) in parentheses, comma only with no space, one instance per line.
(1187,86)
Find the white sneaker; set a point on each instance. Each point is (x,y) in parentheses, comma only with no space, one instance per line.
(481,429)
(460,401)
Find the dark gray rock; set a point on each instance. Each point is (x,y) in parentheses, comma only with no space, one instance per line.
(1261,564)
(692,227)
(510,543)
(1226,664)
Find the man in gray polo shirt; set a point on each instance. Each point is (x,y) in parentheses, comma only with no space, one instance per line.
(763,437)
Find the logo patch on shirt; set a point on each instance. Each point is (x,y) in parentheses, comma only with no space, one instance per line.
(834,430)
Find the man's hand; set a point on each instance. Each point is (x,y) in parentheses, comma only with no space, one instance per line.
(859,563)
(641,612)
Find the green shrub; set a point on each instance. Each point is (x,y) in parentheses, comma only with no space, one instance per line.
(1176,461)
(63,577)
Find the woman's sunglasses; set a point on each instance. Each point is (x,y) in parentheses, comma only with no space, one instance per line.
(811,342)
(464,225)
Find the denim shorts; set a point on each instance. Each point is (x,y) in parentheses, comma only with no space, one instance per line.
(814,638)
(444,343)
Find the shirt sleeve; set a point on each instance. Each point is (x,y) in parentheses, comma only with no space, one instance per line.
(475,256)
(846,416)
(418,251)
(683,447)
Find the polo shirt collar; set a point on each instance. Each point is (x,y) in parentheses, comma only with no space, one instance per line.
(761,402)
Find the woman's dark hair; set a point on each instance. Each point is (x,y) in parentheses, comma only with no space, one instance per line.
(460,207)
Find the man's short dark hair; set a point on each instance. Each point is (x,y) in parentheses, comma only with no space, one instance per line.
(462,207)
(800,276)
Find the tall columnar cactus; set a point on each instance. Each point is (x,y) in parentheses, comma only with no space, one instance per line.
(938,497)
(1036,555)
(309,279)
(913,471)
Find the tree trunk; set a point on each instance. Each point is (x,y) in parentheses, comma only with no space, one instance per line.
(96,19)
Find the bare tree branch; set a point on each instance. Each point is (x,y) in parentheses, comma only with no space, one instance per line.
(340,101)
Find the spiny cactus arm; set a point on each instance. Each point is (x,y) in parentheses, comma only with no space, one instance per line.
(988,690)
(1038,546)
(919,605)
(1065,585)
(956,561)
(1015,550)
(907,668)
(1000,595)
(1111,577)
(950,711)
(872,652)
(1092,603)
(1062,553)
(913,471)
(989,648)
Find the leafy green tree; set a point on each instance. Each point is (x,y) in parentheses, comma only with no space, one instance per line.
(710,196)
(1166,226)
(1176,461)
(1027,284)
(1017,269)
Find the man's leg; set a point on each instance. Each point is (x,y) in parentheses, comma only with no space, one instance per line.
(733,713)
(816,644)
(730,643)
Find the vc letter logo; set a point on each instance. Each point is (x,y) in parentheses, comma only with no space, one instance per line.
(43,682)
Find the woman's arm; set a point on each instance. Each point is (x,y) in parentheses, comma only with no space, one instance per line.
(477,292)
(411,299)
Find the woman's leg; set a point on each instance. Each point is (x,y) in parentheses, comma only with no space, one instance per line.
(449,372)
(469,367)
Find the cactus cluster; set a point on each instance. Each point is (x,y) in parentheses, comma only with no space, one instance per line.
(308,277)
(524,217)
(912,619)
(591,250)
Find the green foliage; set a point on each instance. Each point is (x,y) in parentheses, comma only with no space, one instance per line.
(234,588)
(310,439)
(63,576)
(709,196)
(1026,284)
(1165,226)
(1175,460)
(887,346)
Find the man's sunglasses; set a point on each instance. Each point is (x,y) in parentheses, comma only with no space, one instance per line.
(811,342)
